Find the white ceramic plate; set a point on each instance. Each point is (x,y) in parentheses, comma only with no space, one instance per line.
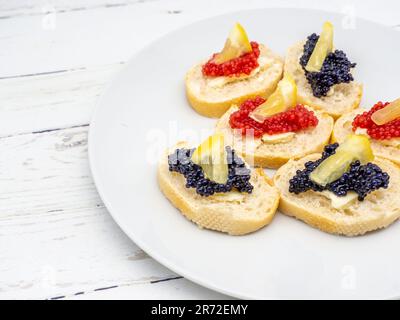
(145,110)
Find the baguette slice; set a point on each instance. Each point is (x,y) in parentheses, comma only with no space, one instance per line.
(234,213)
(378,210)
(343,127)
(273,156)
(343,97)
(213,100)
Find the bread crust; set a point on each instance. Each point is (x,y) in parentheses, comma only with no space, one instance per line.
(344,98)
(214,102)
(378,210)
(217,109)
(231,218)
(273,156)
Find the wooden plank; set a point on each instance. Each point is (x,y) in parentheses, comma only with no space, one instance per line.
(56,237)
(175,289)
(105,34)
(22,8)
(81,38)
(52,100)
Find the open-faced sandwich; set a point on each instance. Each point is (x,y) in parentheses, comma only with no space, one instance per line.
(345,191)
(242,70)
(213,187)
(381,124)
(323,75)
(267,133)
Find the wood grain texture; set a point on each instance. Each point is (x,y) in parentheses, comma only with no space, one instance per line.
(58,99)
(57,240)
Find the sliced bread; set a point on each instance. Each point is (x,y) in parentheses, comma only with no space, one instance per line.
(212,96)
(273,155)
(378,210)
(342,97)
(234,213)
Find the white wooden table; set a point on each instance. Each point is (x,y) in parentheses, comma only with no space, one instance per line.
(57,239)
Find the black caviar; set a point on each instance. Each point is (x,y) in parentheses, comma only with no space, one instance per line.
(361,179)
(335,69)
(238,174)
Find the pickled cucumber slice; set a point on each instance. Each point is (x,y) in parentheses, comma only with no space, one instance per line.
(284,97)
(387,114)
(211,156)
(237,44)
(323,47)
(354,148)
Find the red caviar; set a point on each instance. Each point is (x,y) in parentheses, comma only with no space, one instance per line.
(244,64)
(379,132)
(295,119)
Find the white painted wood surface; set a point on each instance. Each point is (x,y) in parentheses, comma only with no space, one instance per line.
(56,238)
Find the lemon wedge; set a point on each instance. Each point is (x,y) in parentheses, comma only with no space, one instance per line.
(211,156)
(284,97)
(354,148)
(323,47)
(237,44)
(387,114)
